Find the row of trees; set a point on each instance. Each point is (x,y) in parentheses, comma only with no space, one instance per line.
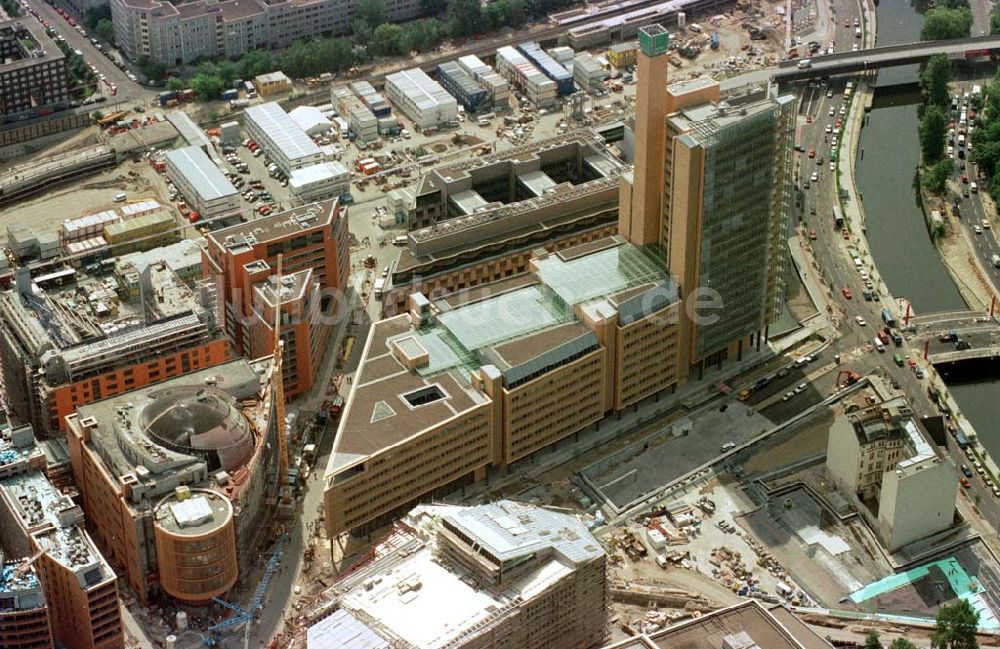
(955,628)
(372,35)
(948,19)
(933,128)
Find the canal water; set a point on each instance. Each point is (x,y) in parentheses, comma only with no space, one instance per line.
(906,258)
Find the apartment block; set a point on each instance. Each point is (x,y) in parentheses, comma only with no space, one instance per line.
(178,33)
(241,261)
(56,358)
(33,72)
(711,187)
(879,458)
(478,221)
(174,474)
(505,575)
(80,589)
(489,375)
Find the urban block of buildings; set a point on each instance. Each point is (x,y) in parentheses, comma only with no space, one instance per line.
(33,72)
(478,221)
(54,582)
(503,575)
(241,263)
(281,137)
(880,460)
(487,376)
(174,478)
(60,350)
(178,33)
(711,187)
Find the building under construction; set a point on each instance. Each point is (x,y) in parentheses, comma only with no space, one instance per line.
(505,575)
(176,478)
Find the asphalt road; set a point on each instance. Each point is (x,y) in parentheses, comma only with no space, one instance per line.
(127,90)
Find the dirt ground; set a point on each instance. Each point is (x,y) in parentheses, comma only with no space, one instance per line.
(47,211)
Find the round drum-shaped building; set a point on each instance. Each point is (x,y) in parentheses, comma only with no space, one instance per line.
(195,545)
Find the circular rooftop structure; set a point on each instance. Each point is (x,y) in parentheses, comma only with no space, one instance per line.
(195,545)
(200,421)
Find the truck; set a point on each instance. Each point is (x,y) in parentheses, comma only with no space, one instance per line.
(250,90)
(888,318)
(229,95)
(805,63)
(166,96)
(857,32)
(377,287)
(714,42)
(996,261)
(236,104)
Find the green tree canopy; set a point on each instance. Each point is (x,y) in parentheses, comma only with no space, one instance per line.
(254,63)
(902,643)
(105,31)
(942,23)
(933,128)
(175,83)
(385,40)
(956,627)
(207,86)
(935,78)
(464,18)
(936,178)
(419,35)
(96,14)
(872,640)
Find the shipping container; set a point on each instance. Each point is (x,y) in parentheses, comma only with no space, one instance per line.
(549,67)
(462,86)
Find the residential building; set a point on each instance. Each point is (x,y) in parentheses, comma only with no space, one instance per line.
(33,74)
(504,575)
(282,139)
(178,33)
(712,188)
(478,221)
(56,358)
(748,625)
(487,376)
(207,191)
(880,460)
(238,261)
(173,474)
(79,588)
(24,616)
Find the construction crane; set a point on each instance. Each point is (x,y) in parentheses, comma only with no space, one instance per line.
(278,389)
(245,615)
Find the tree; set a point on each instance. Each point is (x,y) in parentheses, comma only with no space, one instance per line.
(254,63)
(933,128)
(226,70)
(419,35)
(96,14)
(942,23)
(995,20)
(105,31)
(956,627)
(935,78)
(154,71)
(987,157)
(464,17)
(872,641)
(385,40)
(936,178)
(207,86)
(175,84)
(902,643)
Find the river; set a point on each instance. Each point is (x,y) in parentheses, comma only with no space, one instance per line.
(902,249)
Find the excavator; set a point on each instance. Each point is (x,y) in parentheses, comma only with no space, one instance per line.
(850,378)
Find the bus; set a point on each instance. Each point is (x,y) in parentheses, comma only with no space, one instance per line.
(838,217)
(888,318)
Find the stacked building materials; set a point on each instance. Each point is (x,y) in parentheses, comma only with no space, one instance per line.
(523,74)
(588,73)
(421,99)
(474,67)
(549,67)
(230,132)
(22,240)
(48,245)
(497,88)
(375,102)
(141,233)
(562,55)
(462,86)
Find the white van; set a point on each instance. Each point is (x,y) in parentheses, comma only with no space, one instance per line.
(399,241)
(728,446)
(973,187)
(120,197)
(996,261)
(878,345)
